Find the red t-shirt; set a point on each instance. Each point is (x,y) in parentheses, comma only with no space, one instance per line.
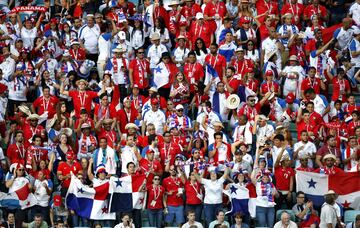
(312,10)
(266,87)
(126,117)
(194,73)
(30,131)
(173,184)
(167,149)
(88,121)
(339,89)
(302,126)
(82,100)
(46,105)
(201,31)
(107,112)
(146,165)
(241,66)
(109,135)
(155,194)
(282,176)
(307,83)
(218,62)
(192,190)
(17,154)
(65,169)
(212,9)
(141,72)
(271,7)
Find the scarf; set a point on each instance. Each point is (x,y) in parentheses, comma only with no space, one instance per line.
(18,81)
(107,158)
(85,142)
(138,102)
(103,112)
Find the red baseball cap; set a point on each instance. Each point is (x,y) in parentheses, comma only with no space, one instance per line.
(154,101)
(57,200)
(249,70)
(70,155)
(269,73)
(290,98)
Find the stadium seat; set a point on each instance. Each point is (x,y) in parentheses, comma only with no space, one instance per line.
(290,212)
(350,216)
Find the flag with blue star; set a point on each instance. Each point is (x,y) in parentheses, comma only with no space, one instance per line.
(87,202)
(315,185)
(22,198)
(125,193)
(240,200)
(161,75)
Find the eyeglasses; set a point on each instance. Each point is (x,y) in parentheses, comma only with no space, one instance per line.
(180,110)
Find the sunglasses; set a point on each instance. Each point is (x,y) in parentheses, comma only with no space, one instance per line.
(20,169)
(252,100)
(151,129)
(141,52)
(180,110)
(156,179)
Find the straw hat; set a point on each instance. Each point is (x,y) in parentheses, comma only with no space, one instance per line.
(24,109)
(33,117)
(131,125)
(233,101)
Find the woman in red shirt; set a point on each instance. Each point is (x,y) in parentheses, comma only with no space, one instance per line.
(194,195)
(180,90)
(156,202)
(164,91)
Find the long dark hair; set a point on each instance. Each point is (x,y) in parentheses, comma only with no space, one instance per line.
(161,24)
(203,48)
(134,30)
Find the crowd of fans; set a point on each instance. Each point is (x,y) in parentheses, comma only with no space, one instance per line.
(82,92)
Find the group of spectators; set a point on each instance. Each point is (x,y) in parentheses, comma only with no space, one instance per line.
(79,96)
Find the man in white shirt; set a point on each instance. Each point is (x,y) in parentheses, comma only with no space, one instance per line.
(8,64)
(155,51)
(304,148)
(354,12)
(262,129)
(277,148)
(191,220)
(89,35)
(127,153)
(154,116)
(285,221)
(269,45)
(328,217)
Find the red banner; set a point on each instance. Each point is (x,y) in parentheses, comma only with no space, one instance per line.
(28,8)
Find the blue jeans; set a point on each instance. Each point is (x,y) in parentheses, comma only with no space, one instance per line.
(155,217)
(78,221)
(265,216)
(178,213)
(210,212)
(195,207)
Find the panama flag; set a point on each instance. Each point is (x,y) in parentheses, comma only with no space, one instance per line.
(211,76)
(315,185)
(90,203)
(161,75)
(240,200)
(227,50)
(21,198)
(125,193)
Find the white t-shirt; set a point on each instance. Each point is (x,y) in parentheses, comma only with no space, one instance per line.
(28,36)
(17,89)
(127,155)
(213,190)
(157,118)
(104,47)
(269,45)
(154,53)
(90,37)
(354,11)
(309,149)
(197,224)
(40,194)
(328,215)
(180,55)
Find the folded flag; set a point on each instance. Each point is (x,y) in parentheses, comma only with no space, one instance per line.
(90,203)
(125,193)
(227,50)
(315,185)
(21,198)
(161,75)
(240,199)
(211,73)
